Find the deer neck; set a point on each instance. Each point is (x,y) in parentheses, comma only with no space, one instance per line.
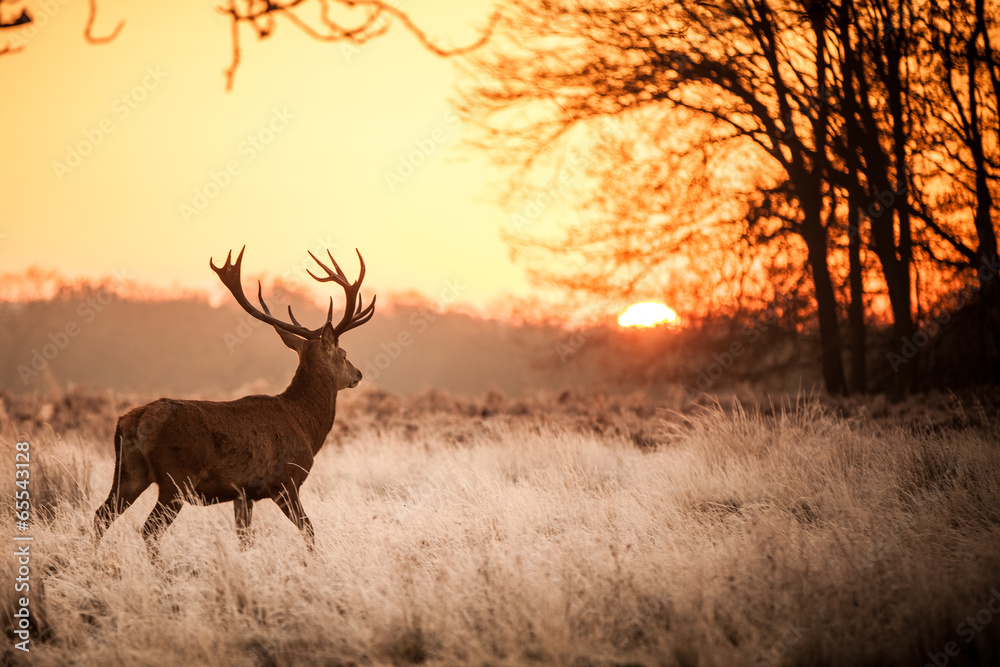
(312,396)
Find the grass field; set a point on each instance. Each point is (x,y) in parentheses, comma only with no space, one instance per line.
(566,530)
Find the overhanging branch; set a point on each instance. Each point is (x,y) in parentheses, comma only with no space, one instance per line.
(261,15)
(88,29)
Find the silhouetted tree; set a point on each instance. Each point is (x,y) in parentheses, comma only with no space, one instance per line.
(919,109)
(961,135)
(743,66)
(827,100)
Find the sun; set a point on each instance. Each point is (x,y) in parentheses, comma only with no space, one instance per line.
(647,314)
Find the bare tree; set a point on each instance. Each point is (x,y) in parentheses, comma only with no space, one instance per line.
(831,103)
(961,131)
(751,70)
(921,150)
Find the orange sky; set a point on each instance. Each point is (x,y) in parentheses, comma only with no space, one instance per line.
(329,122)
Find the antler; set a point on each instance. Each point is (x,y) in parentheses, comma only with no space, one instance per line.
(355,312)
(229,274)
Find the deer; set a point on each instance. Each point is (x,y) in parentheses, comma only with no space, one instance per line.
(245,450)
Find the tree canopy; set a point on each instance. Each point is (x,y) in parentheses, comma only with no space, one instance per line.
(847,147)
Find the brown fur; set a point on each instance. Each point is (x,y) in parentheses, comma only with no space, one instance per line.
(245,450)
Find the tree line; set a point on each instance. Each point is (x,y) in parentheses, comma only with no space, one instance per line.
(848,149)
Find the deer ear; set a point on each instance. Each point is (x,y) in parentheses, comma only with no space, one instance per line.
(329,336)
(289,339)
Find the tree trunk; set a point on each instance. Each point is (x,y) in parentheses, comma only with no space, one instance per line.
(900,292)
(814,234)
(890,204)
(906,364)
(855,197)
(856,311)
(989,268)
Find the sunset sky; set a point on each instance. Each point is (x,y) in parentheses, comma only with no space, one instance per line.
(310,133)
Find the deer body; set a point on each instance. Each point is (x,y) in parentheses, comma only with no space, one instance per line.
(246,450)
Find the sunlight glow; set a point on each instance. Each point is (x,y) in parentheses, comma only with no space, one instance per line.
(647,314)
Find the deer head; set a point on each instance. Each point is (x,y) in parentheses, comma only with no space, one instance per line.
(245,450)
(320,345)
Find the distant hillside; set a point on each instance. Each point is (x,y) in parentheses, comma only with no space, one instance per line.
(92,338)
(95,339)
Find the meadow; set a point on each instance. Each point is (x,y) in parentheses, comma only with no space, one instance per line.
(557,529)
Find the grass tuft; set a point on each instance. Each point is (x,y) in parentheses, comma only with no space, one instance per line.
(456,531)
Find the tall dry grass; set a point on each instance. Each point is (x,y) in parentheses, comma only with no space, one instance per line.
(498,532)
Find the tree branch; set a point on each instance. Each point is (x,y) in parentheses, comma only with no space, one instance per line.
(261,15)
(88,29)
(366,30)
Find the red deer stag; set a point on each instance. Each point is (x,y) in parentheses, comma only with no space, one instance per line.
(245,450)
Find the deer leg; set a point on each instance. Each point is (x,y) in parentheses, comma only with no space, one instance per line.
(168,504)
(290,504)
(243,508)
(123,493)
